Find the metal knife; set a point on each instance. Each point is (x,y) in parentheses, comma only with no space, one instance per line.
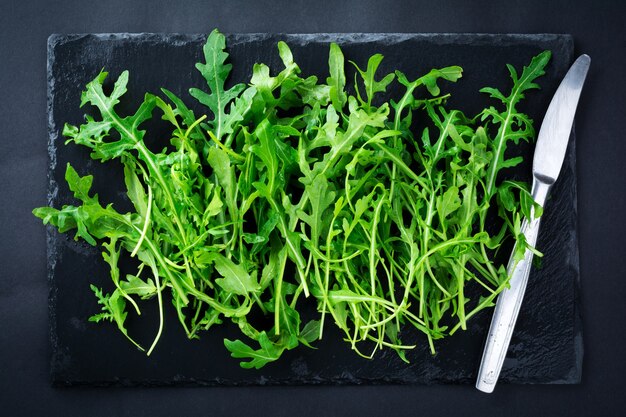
(549,154)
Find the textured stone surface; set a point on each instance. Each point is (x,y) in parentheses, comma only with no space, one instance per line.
(547,344)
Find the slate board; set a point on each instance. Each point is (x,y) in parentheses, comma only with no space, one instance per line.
(547,344)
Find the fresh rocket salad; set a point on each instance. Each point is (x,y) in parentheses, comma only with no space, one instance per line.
(290,191)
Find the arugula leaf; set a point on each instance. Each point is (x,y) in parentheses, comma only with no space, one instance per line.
(513,125)
(337,78)
(135,285)
(268,352)
(369,78)
(113,306)
(448,203)
(265,149)
(236,280)
(215,71)
(93,133)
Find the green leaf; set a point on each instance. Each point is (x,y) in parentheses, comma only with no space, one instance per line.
(448,73)
(369,77)
(265,230)
(312,93)
(94,94)
(310,332)
(512,125)
(93,133)
(506,198)
(113,307)
(219,161)
(265,150)
(268,352)
(104,301)
(80,186)
(215,71)
(215,206)
(446,122)
(448,203)
(235,278)
(134,188)
(342,142)
(337,78)
(286,82)
(271,268)
(135,285)
(321,198)
(289,320)
(181,108)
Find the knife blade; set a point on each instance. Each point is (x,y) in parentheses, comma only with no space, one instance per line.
(548,159)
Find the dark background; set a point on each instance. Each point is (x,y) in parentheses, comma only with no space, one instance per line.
(24,345)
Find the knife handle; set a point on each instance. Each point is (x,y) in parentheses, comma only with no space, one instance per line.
(509,302)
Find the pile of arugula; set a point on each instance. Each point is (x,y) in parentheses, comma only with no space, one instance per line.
(290,188)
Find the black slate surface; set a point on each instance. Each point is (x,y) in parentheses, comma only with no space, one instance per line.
(547,344)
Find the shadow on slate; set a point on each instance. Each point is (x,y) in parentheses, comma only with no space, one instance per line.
(547,344)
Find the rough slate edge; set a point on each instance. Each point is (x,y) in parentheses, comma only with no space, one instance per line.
(578,320)
(300,39)
(53,189)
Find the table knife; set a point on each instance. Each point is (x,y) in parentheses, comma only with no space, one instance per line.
(548,159)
